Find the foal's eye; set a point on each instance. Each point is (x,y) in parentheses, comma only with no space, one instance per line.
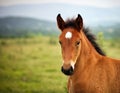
(60,42)
(77,43)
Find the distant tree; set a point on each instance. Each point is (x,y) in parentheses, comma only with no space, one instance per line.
(100,38)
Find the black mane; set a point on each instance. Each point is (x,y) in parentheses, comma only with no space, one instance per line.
(90,36)
(92,39)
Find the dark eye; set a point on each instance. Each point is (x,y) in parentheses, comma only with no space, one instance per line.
(77,43)
(60,42)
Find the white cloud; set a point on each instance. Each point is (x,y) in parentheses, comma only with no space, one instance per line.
(97,3)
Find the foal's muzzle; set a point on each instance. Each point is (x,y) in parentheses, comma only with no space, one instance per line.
(67,71)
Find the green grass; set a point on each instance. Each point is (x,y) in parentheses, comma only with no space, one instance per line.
(32,65)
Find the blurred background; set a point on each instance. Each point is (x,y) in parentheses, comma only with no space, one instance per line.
(30,56)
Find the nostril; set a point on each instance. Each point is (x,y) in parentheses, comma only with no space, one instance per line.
(67,71)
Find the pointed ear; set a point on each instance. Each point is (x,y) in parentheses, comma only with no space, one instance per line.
(79,22)
(60,22)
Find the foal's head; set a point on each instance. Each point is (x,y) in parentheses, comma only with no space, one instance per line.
(70,41)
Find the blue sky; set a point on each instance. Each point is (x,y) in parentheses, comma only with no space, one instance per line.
(96,3)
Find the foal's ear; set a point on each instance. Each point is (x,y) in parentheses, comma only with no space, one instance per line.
(60,22)
(79,22)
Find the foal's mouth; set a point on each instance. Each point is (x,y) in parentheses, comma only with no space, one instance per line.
(67,71)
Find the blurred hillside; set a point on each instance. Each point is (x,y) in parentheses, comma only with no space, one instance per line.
(21,27)
(48,11)
(25,27)
(109,32)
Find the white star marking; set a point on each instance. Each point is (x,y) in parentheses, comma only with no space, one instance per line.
(68,35)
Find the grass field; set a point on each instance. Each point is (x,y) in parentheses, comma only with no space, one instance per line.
(32,65)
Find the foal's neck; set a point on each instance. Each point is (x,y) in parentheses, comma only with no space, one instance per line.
(88,54)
